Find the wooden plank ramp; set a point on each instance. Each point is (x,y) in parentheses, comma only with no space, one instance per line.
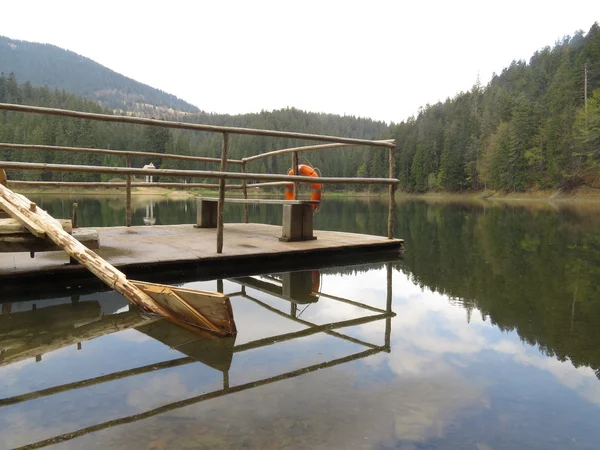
(172,303)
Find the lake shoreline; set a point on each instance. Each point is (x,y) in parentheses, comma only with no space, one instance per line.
(582,194)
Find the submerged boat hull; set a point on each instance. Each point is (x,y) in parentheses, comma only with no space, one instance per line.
(193,309)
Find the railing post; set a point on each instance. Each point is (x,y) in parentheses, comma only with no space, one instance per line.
(295,169)
(128,195)
(392,196)
(221,203)
(245,191)
(75,216)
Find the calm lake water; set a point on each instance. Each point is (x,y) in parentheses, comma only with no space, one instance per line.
(495,342)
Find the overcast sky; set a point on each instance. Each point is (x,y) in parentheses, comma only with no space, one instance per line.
(379,59)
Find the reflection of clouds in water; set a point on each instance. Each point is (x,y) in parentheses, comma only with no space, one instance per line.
(430,334)
(133,335)
(321,410)
(154,392)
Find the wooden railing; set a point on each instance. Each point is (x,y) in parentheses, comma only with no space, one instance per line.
(221,175)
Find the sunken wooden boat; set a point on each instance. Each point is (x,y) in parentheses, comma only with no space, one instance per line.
(192,309)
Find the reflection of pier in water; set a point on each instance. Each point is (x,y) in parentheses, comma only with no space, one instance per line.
(295,287)
(149,218)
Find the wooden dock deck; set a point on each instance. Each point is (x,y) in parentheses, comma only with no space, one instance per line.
(246,246)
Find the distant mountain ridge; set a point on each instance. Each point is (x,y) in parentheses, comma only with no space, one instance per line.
(52,66)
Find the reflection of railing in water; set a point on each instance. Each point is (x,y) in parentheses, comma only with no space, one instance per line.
(373,349)
(149,218)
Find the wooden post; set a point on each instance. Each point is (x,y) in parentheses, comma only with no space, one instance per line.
(245,191)
(75,216)
(392,196)
(74,224)
(128,195)
(295,169)
(221,205)
(3,180)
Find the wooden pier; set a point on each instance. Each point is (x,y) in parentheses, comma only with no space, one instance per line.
(248,245)
(236,244)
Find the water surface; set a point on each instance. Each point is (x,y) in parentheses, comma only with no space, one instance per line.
(494,343)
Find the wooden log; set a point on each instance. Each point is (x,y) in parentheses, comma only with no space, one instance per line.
(304,149)
(27,243)
(191,126)
(12,165)
(391,194)
(13,226)
(3,179)
(221,205)
(104,151)
(114,278)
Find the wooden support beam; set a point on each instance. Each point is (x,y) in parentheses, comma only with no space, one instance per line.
(3,179)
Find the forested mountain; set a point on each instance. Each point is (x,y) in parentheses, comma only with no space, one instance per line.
(48,65)
(528,128)
(534,126)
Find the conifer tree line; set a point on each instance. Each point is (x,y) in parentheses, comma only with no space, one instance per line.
(535,125)
(528,128)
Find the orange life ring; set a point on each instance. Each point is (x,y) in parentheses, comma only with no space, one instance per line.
(307,171)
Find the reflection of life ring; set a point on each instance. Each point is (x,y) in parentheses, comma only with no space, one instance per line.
(307,171)
(316,283)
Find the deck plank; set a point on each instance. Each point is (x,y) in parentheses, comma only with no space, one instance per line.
(148,245)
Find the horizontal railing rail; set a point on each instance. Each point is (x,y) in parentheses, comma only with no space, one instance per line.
(103,151)
(191,126)
(13,165)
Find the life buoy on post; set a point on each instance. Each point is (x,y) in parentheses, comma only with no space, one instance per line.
(307,171)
